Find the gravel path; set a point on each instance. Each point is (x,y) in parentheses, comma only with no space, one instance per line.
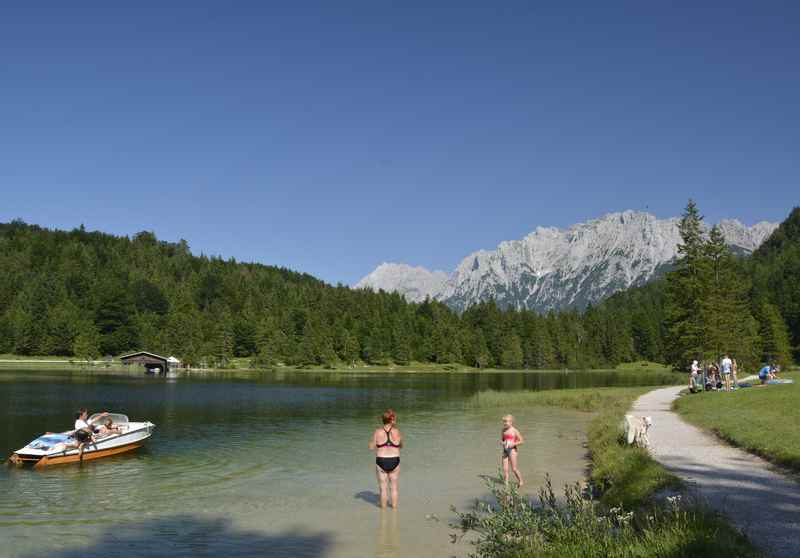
(761,502)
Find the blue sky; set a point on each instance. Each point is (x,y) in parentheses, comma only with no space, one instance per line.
(331,136)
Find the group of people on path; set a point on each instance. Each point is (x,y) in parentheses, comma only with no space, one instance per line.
(714,376)
(723,375)
(387,440)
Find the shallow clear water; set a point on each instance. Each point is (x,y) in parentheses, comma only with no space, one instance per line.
(268,464)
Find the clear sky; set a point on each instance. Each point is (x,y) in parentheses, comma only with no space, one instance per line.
(330,136)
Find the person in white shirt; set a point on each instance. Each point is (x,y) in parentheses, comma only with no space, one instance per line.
(84,431)
(693,376)
(727,366)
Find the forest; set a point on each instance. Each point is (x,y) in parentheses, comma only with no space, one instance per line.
(89,294)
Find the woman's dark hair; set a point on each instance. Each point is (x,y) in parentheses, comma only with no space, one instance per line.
(80,412)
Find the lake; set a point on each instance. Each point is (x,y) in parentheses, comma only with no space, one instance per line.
(271,464)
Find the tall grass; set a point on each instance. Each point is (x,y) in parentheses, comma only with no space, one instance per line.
(513,526)
(583,399)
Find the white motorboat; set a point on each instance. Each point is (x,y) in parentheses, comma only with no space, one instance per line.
(57,448)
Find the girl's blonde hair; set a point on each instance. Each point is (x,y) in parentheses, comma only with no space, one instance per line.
(510,418)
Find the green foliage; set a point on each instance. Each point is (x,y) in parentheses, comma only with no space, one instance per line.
(775,344)
(512,526)
(709,300)
(142,293)
(512,352)
(86,345)
(686,290)
(775,268)
(729,326)
(626,476)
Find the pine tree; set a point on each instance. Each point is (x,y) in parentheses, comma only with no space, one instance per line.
(224,339)
(481,357)
(401,353)
(512,352)
(86,345)
(645,336)
(62,325)
(346,346)
(183,335)
(23,329)
(686,289)
(728,324)
(775,346)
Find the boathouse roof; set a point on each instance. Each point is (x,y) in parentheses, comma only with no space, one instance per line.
(143,357)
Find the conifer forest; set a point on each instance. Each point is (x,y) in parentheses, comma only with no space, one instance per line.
(89,294)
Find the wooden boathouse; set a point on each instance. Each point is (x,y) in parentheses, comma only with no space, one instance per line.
(153,363)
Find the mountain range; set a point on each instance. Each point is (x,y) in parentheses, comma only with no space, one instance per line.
(553,269)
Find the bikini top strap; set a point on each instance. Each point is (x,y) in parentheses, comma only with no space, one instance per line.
(388,441)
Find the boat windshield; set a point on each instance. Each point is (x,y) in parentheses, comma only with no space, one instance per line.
(117,418)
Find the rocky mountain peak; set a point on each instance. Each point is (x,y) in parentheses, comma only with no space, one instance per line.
(553,268)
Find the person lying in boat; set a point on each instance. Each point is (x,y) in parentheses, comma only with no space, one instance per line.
(84,429)
(108,428)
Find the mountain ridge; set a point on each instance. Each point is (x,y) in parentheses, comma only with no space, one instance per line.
(553,269)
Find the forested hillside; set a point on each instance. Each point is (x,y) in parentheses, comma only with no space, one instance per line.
(775,268)
(89,294)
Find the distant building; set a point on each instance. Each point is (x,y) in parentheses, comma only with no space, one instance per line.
(153,363)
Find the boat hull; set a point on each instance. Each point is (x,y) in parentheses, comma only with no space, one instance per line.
(131,440)
(47,461)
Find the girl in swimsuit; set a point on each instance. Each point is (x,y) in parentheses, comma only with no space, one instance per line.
(510,438)
(387,441)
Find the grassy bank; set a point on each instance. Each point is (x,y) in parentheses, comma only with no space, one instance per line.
(622,477)
(758,420)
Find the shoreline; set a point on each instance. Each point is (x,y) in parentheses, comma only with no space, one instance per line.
(65,363)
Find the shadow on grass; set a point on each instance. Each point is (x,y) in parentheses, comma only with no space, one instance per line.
(191,536)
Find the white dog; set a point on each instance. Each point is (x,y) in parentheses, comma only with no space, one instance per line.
(636,430)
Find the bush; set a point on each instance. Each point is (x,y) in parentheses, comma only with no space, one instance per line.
(511,526)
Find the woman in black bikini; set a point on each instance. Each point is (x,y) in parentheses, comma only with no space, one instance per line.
(387,441)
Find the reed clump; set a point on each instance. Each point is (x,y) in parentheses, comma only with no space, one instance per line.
(509,525)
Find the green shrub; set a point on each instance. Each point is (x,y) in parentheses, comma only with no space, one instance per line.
(512,526)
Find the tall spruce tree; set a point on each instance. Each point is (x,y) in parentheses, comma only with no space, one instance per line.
(729,326)
(86,345)
(512,356)
(686,290)
(775,346)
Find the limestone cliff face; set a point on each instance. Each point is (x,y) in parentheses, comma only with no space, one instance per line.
(560,268)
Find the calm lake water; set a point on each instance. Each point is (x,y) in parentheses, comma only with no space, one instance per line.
(271,464)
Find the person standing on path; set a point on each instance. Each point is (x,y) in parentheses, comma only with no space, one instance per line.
(735,372)
(387,441)
(510,438)
(693,377)
(727,366)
